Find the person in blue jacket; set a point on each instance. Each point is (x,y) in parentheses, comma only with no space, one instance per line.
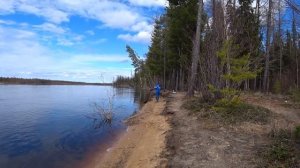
(157,91)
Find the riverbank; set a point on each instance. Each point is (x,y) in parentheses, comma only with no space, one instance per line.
(197,139)
(164,134)
(142,144)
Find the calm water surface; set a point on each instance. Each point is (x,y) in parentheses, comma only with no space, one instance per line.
(57,126)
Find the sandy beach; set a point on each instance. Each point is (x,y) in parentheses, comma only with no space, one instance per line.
(143,142)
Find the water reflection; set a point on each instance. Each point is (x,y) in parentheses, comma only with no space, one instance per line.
(104,110)
(19,143)
(56,126)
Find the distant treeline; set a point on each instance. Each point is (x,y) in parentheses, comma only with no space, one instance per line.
(34,81)
(122,81)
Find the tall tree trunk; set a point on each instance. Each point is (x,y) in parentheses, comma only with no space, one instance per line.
(280,42)
(267,62)
(164,67)
(258,50)
(297,69)
(294,29)
(177,80)
(195,53)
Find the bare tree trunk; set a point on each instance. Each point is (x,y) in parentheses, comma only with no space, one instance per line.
(228,68)
(258,51)
(164,67)
(267,62)
(181,79)
(255,81)
(297,66)
(260,81)
(177,80)
(195,52)
(280,42)
(234,4)
(295,48)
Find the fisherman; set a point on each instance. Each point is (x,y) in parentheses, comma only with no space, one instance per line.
(157,91)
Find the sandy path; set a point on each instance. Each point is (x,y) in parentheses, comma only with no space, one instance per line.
(195,142)
(275,105)
(200,142)
(142,145)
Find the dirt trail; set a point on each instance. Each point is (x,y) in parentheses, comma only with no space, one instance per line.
(275,105)
(143,144)
(193,142)
(198,142)
(180,139)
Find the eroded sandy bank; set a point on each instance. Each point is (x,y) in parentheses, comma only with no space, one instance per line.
(142,144)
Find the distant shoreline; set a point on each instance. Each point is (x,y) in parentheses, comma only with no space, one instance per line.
(22,81)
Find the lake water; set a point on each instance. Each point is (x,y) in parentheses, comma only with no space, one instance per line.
(58,126)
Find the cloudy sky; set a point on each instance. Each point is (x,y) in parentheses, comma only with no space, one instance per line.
(76,40)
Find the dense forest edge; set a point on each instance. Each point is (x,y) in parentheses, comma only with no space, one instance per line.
(22,81)
(215,51)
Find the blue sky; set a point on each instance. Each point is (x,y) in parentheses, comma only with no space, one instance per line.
(76,40)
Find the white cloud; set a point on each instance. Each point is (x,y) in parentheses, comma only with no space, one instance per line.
(102,40)
(7,22)
(100,58)
(90,32)
(65,42)
(143,33)
(77,38)
(50,28)
(55,16)
(22,55)
(48,11)
(112,14)
(6,6)
(21,51)
(143,37)
(118,19)
(27,8)
(142,26)
(149,3)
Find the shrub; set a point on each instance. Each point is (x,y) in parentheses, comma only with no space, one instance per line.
(282,152)
(295,94)
(277,87)
(228,112)
(297,134)
(237,112)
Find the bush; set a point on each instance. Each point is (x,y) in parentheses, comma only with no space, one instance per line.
(277,87)
(282,152)
(297,134)
(228,112)
(196,104)
(237,112)
(295,94)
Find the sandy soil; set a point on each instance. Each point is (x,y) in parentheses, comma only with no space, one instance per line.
(181,139)
(143,143)
(276,105)
(198,142)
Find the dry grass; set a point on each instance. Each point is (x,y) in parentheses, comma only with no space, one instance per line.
(283,151)
(234,114)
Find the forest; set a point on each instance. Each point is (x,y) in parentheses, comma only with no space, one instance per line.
(35,81)
(222,47)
